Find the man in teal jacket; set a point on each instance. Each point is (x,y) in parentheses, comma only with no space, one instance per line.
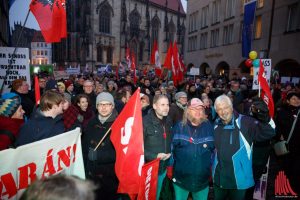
(234,135)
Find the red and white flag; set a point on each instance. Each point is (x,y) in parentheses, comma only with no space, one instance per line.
(51,17)
(266,94)
(148,184)
(127,138)
(128,59)
(155,59)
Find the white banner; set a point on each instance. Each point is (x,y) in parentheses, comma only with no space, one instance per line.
(73,70)
(267,65)
(22,166)
(19,66)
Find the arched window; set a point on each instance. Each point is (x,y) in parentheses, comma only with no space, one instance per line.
(155,25)
(135,21)
(104,20)
(172,31)
(105,12)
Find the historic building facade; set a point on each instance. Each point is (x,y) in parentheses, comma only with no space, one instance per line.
(214,35)
(99,31)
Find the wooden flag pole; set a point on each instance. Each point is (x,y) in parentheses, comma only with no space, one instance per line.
(102,139)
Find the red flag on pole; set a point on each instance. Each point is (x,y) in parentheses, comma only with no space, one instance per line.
(266,94)
(51,17)
(128,60)
(155,59)
(133,67)
(127,138)
(37,91)
(168,58)
(149,177)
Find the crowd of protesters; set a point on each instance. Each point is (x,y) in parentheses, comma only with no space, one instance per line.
(203,129)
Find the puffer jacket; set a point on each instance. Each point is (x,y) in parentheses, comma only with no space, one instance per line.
(232,167)
(192,151)
(155,141)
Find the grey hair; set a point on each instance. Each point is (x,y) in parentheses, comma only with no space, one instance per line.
(61,187)
(223,99)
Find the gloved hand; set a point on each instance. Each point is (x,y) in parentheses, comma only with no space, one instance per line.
(260,111)
(170,172)
(92,155)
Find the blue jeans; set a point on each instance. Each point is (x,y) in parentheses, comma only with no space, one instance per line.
(160,181)
(182,194)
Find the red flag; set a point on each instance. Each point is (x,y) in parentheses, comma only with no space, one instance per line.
(266,94)
(133,67)
(148,184)
(155,59)
(168,58)
(177,73)
(37,91)
(127,138)
(128,60)
(51,17)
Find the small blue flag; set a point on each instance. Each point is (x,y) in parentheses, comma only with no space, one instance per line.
(249,14)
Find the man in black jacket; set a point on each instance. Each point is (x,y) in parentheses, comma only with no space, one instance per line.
(100,163)
(157,137)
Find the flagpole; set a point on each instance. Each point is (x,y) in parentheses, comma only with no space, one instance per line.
(14,52)
(102,139)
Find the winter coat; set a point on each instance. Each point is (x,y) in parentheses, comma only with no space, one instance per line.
(232,167)
(176,113)
(155,141)
(192,151)
(9,131)
(40,127)
(102,170)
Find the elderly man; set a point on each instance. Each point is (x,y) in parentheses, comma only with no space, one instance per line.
(99,164)
(234,136)
(177,109)
(157,137)
(192,150)
(88,89)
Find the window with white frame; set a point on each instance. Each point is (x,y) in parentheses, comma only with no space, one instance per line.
(204,17)
(229,8)
(258,27)
(228,34)
(46,53)
(214,38)
(203,41)
(216,11)
(292,18)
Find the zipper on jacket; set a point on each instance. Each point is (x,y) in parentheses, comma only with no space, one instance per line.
(230,137)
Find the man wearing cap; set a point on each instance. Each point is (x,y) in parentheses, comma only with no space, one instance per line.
(157,136)
(234,136)
(192,152)
(177,109)
(69,90)
(11,119)
(99,164)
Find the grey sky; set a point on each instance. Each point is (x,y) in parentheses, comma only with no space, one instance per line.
(20,8)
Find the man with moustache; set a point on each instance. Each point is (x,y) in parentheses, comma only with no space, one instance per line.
(192,151)
(157,138)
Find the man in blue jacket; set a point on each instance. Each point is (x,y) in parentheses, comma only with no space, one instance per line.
(234,137)
(192,149)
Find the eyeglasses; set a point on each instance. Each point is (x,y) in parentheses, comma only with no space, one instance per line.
(104,105)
